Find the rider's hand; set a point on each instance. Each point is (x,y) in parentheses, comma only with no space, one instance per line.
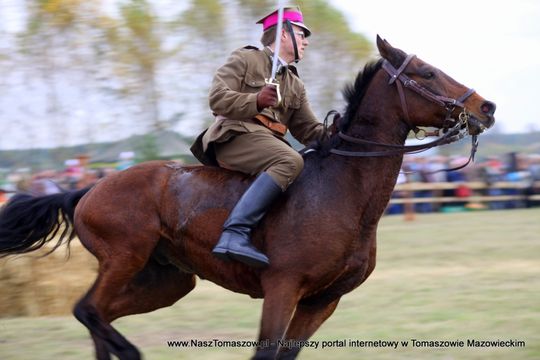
(267,97)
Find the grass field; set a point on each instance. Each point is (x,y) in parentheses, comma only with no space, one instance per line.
(443,277)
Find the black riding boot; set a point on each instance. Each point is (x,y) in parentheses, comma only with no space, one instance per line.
(235,240)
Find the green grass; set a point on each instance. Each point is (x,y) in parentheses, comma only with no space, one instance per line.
(442,277)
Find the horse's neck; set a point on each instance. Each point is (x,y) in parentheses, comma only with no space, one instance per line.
(367,182)
(377,120)
(363,178)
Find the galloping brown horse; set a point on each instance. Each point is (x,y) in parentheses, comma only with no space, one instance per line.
(152,227)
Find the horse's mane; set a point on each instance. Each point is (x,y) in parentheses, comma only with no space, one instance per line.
(353,94)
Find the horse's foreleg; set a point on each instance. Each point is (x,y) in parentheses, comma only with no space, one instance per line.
(278,307)
(307,319)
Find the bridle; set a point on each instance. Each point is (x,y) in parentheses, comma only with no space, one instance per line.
(453,130)
(401,80)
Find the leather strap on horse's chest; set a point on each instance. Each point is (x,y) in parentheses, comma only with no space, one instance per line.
(272,125)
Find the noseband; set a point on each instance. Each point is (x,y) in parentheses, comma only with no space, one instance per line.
(452,128)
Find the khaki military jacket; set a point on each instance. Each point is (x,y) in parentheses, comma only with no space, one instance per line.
(233,100)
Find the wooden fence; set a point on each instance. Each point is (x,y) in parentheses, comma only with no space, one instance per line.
(479,192)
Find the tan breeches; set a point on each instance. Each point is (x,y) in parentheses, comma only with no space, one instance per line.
(255,152)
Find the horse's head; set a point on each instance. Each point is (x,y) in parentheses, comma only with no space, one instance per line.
(429,97)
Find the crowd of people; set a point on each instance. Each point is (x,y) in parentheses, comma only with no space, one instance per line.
(74,175)
(511,168)
(522,169)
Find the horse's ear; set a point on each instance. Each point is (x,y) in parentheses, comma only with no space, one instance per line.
(390,53)
(381,43)
(383,46)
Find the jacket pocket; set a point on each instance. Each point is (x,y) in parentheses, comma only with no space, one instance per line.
(254,82)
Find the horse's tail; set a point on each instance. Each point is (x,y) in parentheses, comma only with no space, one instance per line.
(28,222)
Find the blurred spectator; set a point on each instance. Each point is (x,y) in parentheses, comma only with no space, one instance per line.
(73,172)
(516,172)
(127,159)
(418,168)
(491,172)
(532,164)
(43,184)
(462,191)
(398,208)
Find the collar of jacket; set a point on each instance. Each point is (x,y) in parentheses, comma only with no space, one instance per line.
(270,55)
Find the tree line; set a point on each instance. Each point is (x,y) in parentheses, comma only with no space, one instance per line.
(77,71)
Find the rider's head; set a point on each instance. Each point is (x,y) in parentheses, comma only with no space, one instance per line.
(294,33)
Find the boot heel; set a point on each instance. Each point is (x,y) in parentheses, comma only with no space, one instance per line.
(250,261)
(221,254)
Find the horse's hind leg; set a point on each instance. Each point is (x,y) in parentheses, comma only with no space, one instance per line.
(91,310)
(101,351)
(154,287)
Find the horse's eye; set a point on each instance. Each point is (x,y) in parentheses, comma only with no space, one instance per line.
(429,75)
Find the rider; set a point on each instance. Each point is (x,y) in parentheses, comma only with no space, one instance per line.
(250,125)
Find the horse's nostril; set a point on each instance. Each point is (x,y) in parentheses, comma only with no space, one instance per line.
(488,108)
